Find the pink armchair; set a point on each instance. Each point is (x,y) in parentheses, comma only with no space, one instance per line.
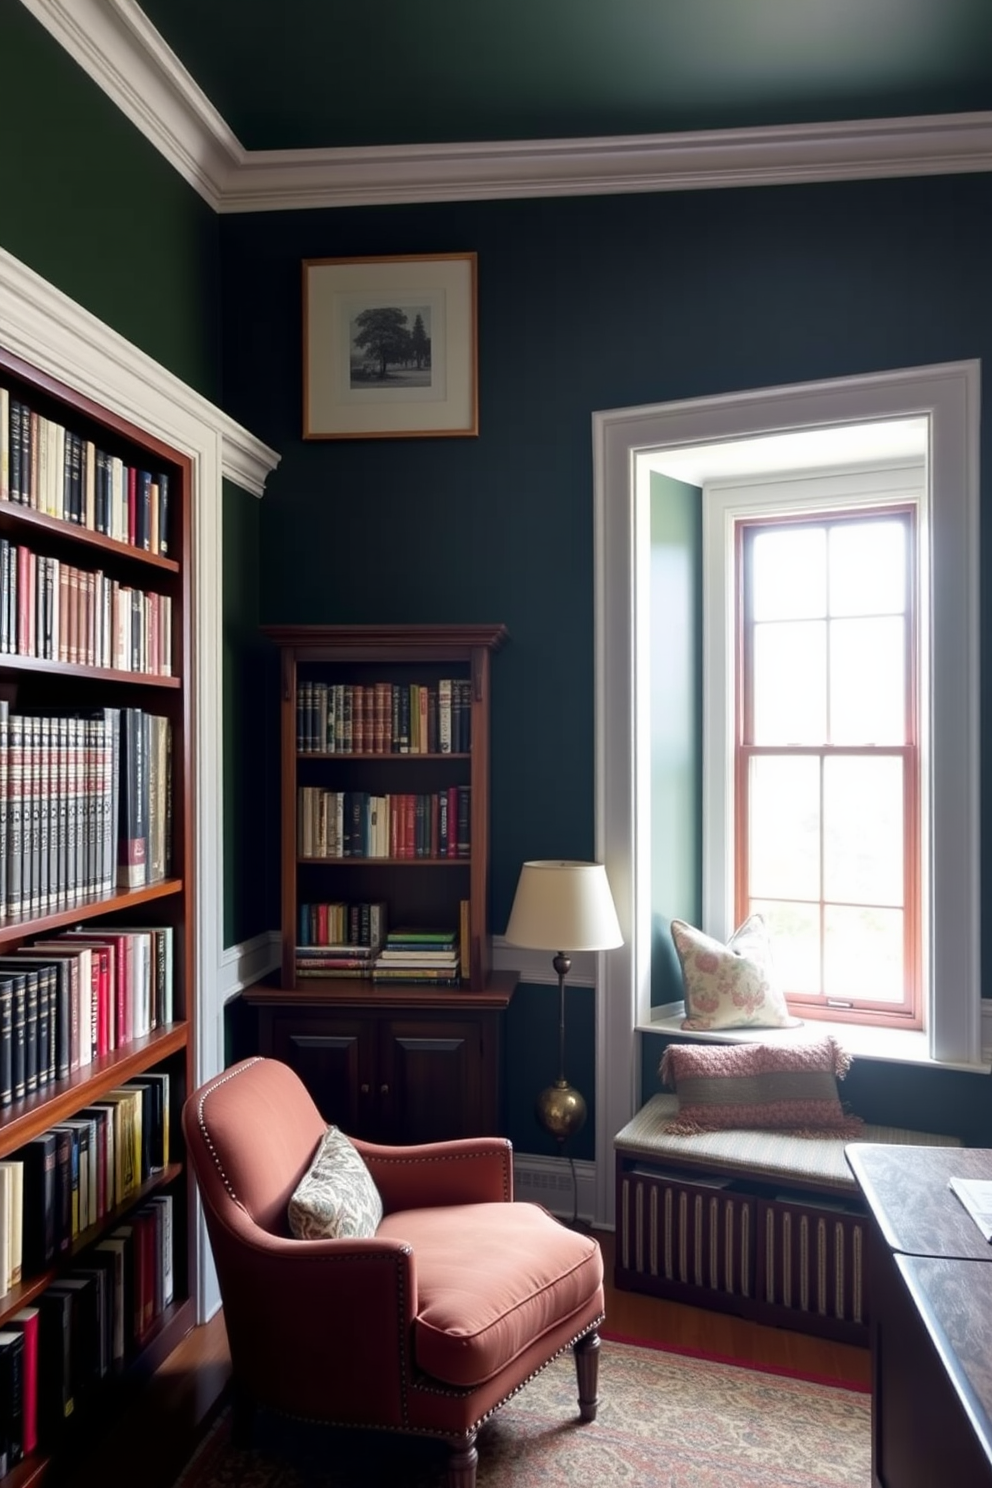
(459,1298)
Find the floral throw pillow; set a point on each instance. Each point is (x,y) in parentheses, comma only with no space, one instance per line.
(336,1199)
(732,985)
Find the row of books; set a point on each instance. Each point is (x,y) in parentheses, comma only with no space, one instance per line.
(79,995)
(384,717)
(53,470)
(405,824)
(85,806)
(58,1354)
(422,956)
(338,922)
(70,1178)
(58,612)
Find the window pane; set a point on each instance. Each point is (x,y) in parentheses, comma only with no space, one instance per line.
(790,694)
(790,574)
(863,954)
(863,830)
(868,568)
(794,932)
(784,828)
(867,681)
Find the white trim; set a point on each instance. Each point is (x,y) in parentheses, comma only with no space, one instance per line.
(249,962)
(949,396)
(113,41)
(59,337)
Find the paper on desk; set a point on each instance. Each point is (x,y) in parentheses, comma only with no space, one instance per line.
(976,1196)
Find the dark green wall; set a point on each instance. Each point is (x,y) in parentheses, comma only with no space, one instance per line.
(675,580)
(88,203)
(583,305)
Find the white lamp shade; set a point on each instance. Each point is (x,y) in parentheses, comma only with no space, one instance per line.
(563,906)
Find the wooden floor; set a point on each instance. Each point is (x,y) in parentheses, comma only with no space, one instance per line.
(189,1387)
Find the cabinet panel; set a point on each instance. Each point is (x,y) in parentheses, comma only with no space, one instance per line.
(394,1067)
(431,1079)
(334,1061)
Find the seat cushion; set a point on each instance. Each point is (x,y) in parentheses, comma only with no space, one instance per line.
(491,1278)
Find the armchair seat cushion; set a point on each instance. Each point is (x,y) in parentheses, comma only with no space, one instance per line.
(491,1278)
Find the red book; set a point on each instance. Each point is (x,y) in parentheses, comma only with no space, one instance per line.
(27,1322)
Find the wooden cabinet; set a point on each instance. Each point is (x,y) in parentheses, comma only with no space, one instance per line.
(95,624)
(397,1066)
(399,1060)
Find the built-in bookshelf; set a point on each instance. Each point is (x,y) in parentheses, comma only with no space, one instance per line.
(387,1005)
(96,906)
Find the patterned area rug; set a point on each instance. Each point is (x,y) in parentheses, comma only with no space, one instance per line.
(666,1420)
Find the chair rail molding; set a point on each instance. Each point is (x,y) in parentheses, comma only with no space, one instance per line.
(53,333)
(116,45)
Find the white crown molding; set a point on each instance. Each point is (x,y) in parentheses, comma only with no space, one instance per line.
(121,51)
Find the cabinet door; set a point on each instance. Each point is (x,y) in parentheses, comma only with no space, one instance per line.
(333,1056)
(432,1082)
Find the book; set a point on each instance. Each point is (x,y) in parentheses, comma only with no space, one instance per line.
(26,1321)
(132,854)
(112,1254)
(14,1217)
(38,1159)
(56,1308)
(164,1202)
(11,1398)
(155,1117)
(66,1186)
(976,1196)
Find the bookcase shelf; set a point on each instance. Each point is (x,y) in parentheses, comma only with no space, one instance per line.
(65,509)
(412,1060)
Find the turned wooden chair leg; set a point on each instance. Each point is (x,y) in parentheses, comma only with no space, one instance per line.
(586,1353)
(462,1462)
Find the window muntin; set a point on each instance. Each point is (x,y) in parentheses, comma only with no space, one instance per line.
(827,760)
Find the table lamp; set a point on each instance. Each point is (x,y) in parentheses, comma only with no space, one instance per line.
(563,906)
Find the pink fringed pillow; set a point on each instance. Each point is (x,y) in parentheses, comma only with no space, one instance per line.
(792,1088)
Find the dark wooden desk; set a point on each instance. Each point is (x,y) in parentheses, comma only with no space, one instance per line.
(931,1329)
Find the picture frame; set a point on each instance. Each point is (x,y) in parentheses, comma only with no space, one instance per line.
(390,347)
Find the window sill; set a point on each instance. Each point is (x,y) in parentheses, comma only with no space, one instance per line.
(888,1045)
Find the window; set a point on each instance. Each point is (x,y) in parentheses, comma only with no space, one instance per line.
(826,839)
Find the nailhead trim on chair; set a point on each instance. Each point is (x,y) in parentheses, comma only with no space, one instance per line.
(471,1155)
(324,1259)
(220,1080)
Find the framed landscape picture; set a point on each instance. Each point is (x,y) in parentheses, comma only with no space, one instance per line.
(389,347)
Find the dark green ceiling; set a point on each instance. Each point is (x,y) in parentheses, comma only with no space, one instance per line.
(307,73)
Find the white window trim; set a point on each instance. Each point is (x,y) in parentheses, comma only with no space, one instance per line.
(949,396)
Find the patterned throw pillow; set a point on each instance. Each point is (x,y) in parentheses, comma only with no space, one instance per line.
(729,1086)
(336,1199)
(732,985)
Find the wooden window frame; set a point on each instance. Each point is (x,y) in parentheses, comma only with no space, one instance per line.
(909,1012)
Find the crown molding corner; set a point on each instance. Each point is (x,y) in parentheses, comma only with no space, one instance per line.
(117,46)
(114,42)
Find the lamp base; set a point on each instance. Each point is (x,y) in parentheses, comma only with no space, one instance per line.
(561,1110)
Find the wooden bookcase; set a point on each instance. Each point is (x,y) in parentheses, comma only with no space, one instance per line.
(36,684)
(390,1061)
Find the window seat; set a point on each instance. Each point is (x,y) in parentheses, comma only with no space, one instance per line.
(760,1223)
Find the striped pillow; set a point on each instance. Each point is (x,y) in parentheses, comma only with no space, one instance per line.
(725,1086)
